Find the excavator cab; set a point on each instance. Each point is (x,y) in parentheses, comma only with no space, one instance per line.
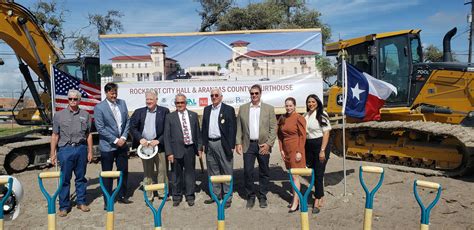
(82,68)
(386,56)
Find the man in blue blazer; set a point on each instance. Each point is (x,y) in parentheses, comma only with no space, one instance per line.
(112,123)
(147,126)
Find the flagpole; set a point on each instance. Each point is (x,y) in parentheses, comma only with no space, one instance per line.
(53,104)
(343,54)
(53,91)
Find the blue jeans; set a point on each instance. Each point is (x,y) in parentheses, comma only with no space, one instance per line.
(72,159)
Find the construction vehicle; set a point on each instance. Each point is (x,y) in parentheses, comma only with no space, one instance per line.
(34,50)
(429,123)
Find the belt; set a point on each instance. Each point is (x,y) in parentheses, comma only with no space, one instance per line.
(214,139)
(189,145)
(75,144)
(253,141)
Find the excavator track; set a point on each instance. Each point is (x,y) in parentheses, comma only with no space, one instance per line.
(17,156)
(446,147)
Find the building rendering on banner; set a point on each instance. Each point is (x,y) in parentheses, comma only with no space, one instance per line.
(153,67)
(267,64)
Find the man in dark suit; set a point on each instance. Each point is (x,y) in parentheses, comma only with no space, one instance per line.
(256,134)
(218,140)
(182,142)
(112,123)
(147,126)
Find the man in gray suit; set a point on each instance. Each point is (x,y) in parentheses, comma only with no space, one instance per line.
(256,133)
(182,142)
(112,123)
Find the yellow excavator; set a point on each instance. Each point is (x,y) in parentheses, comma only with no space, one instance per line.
(429,123)
(35,50)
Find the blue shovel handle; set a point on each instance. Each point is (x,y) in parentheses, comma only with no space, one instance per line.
(156,212)
(303,198)
(369,202)
(9,192)
(425,212)
(221,203)
(51,199)
(110,198)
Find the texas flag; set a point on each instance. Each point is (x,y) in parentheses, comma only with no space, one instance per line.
(365,95)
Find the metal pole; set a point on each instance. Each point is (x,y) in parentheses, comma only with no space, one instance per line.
(470,31)
(344,95)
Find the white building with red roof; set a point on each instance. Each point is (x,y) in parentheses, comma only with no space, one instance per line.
(153,67)
(270,63)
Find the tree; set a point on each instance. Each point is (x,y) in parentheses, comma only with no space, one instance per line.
(107,23)
(106,70)
(432,54)
(326,67)
(272,14)
(211,11)
(52,17)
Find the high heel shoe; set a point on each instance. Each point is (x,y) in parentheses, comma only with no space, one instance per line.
(296,209)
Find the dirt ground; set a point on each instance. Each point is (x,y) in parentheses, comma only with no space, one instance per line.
(394,206)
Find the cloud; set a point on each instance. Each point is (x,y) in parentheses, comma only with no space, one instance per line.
(442,18)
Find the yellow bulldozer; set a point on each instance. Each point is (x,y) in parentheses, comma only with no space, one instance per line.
(429,123)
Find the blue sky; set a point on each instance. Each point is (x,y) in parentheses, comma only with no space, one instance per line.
(347,18)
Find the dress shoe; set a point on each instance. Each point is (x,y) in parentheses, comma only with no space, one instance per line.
(263,203)
(176,203)
(209,201)
(190,202)
(294,210)
(83,207)
(250,203)
(124,201)
(62,213)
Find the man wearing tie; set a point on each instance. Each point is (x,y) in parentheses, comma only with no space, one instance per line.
(147,127)
(218,140)
(112,123)
(182,142)
(256,133)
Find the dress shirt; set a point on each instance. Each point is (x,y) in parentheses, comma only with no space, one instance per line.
(214,131)
(116,112)
(149,128)
(254,121)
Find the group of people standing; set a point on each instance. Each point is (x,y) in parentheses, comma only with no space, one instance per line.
(303,142)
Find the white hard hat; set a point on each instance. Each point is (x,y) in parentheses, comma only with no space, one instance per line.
(11,207)
(146,153)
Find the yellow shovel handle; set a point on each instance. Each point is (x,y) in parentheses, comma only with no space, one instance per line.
(52,221)
(368,219)
(110,221)
(304,221)
(220,225)
(424,227)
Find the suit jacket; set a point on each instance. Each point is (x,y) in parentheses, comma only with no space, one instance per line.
(174,139)
(267,129)
(227,127)
(137,124)
(107,126)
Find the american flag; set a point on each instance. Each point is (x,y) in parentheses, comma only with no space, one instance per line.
(63,82)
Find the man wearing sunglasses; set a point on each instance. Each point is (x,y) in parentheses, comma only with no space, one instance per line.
(256,133)
(218,140)
(182,144)
(71,133)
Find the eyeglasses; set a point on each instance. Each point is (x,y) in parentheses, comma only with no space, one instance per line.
(73,99)
(179,102)
(254,93)
(214,95)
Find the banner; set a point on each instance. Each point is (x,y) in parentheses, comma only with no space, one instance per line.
(234,93)
(282,61)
